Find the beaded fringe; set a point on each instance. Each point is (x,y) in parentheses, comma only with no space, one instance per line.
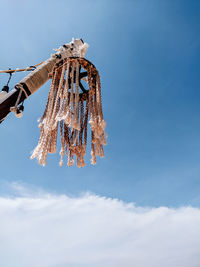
(70,111)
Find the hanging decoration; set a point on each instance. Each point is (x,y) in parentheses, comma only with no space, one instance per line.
(74,100)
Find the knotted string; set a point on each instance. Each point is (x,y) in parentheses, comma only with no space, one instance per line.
(70,110)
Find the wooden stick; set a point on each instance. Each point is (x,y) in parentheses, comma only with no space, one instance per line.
(24,69)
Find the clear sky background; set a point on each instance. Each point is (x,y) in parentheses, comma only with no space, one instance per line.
(139,206)
(147,53)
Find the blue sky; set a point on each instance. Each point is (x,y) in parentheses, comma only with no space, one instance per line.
(147,53)
(140,205)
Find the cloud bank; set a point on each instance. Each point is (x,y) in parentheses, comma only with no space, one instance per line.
(61,231)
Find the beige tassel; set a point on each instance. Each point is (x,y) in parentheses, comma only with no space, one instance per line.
(76,110)
(69,109)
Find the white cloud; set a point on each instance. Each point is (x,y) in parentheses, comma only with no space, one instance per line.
(61,231)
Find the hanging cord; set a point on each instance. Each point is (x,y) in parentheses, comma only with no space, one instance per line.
(6,87)
(10,73)
(19,110)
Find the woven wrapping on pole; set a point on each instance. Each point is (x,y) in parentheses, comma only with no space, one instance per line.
(38,77)
(70,110)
